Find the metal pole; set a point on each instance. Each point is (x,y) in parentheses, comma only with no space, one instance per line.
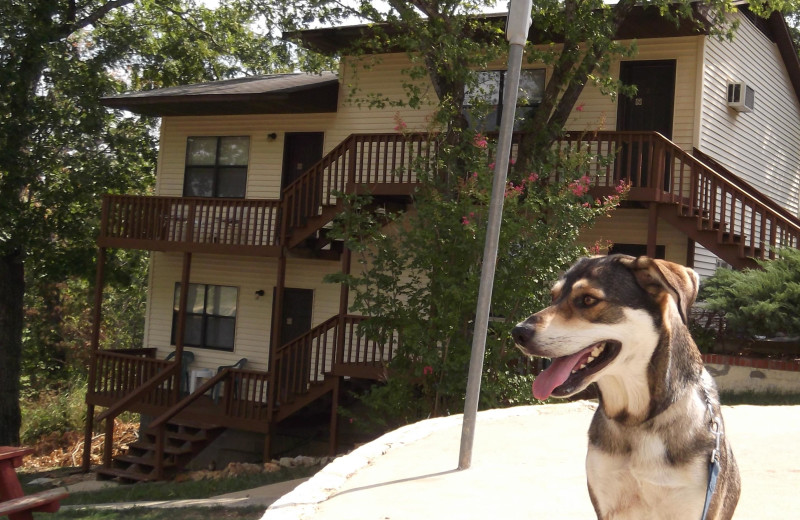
(517,30)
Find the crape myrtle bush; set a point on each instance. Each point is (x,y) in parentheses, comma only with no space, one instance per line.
(416,273)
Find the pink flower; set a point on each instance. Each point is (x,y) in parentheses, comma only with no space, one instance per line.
(622,187)
(480,141)
(472,214)
(579,108)
(427,370)
(465,221)
(578,188)
(491,166)
(533,177)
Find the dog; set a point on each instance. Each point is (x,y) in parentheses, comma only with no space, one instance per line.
(620,323)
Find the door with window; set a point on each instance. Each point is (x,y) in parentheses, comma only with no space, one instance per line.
(650,108)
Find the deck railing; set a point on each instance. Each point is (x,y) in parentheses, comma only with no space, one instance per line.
(378,161)
(118,375)
(660,171)
(205,224)
(308,358)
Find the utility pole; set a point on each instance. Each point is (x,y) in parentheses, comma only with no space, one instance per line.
(517,25)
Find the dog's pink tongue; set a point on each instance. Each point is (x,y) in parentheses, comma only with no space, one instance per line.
(555,375)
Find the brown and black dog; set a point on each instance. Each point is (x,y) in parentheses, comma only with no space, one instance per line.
(620,322)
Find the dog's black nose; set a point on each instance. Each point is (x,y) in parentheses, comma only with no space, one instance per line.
(522,334)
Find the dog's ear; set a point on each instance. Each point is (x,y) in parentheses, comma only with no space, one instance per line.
(657,276)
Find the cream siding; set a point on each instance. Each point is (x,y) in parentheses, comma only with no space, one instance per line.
(254,313)
(762,146)
(629,226)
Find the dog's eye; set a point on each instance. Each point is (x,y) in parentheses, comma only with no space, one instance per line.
(587,300)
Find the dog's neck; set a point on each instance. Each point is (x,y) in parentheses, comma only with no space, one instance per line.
(625,399)
(653,384)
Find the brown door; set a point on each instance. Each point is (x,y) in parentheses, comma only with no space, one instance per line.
(297,308)
(300,152)
(649,109)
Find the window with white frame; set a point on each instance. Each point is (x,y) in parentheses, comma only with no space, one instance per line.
(484,101)
(216,166)
(210,316)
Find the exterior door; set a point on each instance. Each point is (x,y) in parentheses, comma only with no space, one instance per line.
(297,308)
(649,109)
(300,152)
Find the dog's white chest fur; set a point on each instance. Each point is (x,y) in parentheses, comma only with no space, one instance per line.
(635,486)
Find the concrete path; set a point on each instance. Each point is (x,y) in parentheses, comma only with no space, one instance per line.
(528,462)
(261,496)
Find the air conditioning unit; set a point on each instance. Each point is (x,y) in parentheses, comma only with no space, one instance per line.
(741,97)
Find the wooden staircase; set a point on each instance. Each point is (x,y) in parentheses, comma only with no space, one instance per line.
(182,441)
(710,204)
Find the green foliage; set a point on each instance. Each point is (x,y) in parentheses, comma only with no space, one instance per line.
(57,411)
(758,302)
(418,277)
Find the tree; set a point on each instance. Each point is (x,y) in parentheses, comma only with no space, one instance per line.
(420,282)
(60,150)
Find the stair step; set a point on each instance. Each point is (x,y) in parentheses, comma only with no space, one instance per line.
(122,474)
(141,461)
(168,449)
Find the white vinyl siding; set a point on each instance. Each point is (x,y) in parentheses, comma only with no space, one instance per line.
(760,146)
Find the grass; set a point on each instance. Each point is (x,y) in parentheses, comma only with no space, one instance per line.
(148,491)
(760,398)
(188,513)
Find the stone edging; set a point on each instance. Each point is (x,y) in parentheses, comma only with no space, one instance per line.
(762,363)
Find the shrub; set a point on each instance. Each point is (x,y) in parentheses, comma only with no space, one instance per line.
(758,302)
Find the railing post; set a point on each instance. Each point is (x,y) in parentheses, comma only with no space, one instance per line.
(161,433)
(108,442)
(350,185)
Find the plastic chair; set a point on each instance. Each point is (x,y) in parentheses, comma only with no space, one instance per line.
(239,364)
(186,360)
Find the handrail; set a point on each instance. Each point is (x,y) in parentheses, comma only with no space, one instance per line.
(660,171)
(359,160)
(121,405)
(189,399)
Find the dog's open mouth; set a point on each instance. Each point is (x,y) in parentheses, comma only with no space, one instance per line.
(564,375)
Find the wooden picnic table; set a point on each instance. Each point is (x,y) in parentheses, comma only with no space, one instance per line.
(13,501)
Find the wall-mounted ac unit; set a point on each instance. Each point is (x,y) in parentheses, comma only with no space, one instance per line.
(741,97)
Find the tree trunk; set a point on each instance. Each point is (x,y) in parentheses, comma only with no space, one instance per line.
(12,288)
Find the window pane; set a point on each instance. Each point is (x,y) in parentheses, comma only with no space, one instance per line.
(195,300)
(220,332)
(222,301)
(232,182)
(234,151)
(193,335)
(487,89)
(201,151)
(531,87)
(199,182)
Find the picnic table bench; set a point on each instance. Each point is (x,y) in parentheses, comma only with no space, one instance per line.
(13,502)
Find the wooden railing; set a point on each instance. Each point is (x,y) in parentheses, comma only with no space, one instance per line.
(307,359)
(379,161)
(182,223)
(660,171)
(118,375)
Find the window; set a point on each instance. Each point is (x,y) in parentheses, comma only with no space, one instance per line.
(489,90)
(216,167)
(210,316)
